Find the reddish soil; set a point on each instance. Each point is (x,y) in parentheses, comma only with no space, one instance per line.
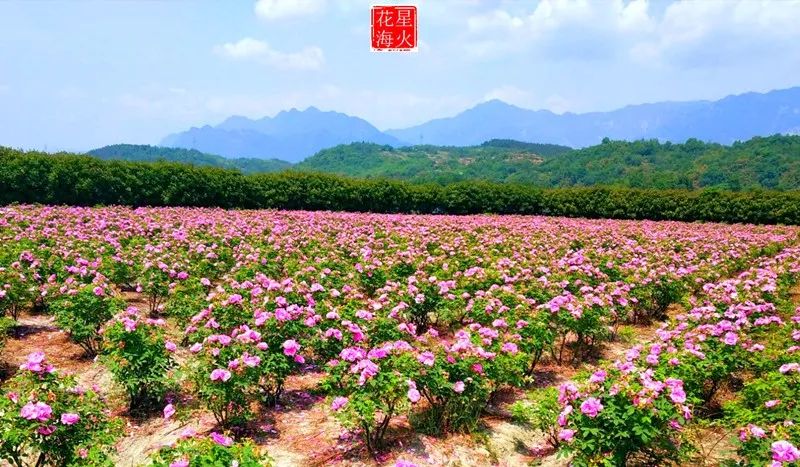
(301,430)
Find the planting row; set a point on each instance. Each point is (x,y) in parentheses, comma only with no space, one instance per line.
(416,315)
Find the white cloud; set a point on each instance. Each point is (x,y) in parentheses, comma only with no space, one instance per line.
(684,34)
(712,32)
(559,28)
(308,58)
(281,9)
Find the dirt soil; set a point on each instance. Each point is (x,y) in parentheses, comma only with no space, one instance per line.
(301,430)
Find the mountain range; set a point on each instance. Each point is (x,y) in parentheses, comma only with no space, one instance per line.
(761,162)
(295,135)
(291,135)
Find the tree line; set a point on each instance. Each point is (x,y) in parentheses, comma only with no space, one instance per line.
(63,178)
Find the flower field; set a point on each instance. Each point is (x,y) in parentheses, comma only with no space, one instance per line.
(187,337)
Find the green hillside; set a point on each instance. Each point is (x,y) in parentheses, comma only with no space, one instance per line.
(495,160)
(146,153)
(762,162)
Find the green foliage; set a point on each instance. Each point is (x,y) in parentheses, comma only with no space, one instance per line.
(136,355)
(540,410)
(146,153)
(17,290)
(372,401)
(618,430)
(6,325)
(496,160)
(32,177)
(202,452)
(47,420)
(81,313)
(765,163)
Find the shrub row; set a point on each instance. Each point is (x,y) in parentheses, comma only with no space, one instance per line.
(32,177)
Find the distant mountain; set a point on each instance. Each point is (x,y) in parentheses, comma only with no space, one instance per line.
(761,162)
(496,160)
(145,153)
(294,135)
(291,135)
(733,118)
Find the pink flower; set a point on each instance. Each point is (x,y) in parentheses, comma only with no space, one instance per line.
(99,291)
(46,430)
(169,411)
(591,407)
(290,347)
(251,360)
(788,367)
(36,363)
(772,403)
(678,395)
(730,338)
(338,403)
(564,415)
(180,463)
(426,358)
(38,411)
(234,299)
(784,451)
(70,418)
(458,387)
(510,347)
(413,393)
(220,439)
(404,463)
(170,346)
(196,347)
(566,435)
(220,375)
(756,431)
(598,377)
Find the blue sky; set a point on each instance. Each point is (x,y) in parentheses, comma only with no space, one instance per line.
(80,74)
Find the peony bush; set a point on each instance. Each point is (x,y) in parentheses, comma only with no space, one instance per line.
(47,419)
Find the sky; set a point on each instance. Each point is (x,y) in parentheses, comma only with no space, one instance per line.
(75,75)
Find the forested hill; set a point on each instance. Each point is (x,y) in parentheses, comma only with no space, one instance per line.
(771,162)
(146,153)
(496,160)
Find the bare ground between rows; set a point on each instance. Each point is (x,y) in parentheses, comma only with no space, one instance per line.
(301,430)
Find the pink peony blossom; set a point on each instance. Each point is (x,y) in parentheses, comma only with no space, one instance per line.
(338,403)
(591,407)
(220,374)
(426,358)
(169,411)
(784,451)
(291,347)
(566,435)
(221,439)
(36,411)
